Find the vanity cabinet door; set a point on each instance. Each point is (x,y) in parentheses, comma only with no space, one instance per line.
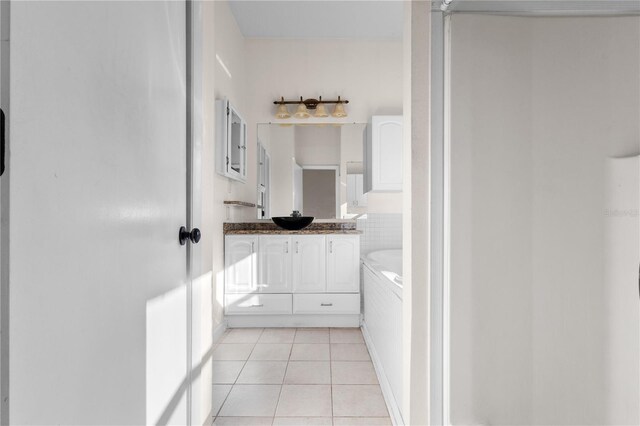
(274,264)
(343,264)
(240,263)
(309,264)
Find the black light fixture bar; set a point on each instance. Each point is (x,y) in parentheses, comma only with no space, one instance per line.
(311,103)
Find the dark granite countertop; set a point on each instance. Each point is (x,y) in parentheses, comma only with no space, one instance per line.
(285,232)
(270,228)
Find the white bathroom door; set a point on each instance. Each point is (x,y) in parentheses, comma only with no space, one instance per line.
(97,176)
(622,295)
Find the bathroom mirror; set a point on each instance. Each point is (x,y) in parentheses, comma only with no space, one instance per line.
(312,168)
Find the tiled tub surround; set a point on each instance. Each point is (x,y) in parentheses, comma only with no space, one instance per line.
(289,376)
(268,227)
(380,231)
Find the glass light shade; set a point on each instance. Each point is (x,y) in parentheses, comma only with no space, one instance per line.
(282,112)
(339,111)
(321,111)
(302,111)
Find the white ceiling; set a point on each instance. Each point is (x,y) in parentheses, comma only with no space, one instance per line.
(354,19)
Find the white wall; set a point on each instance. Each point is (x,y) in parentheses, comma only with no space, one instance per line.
(416,224)
(538,104)
(367,73)
(221,39)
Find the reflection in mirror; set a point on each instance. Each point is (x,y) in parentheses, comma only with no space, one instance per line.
(356,197)
(308,168)
(237,148)
(264,174)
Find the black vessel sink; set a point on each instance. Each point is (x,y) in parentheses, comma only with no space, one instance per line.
(291,223)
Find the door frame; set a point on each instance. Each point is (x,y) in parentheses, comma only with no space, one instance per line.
(334,167)
(193,138)
(5,13)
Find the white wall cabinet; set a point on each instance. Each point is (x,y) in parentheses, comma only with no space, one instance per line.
(309,264)
(231,142)
(274,264)
(292,275)
(383,154)
(343,264)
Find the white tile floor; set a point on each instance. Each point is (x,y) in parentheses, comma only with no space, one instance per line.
(288,376)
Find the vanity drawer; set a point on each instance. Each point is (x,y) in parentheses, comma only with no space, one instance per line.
(326,303)
(257,304)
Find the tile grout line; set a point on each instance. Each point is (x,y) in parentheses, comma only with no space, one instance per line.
(330,377)
(284,377)
(273,417)
(233,385)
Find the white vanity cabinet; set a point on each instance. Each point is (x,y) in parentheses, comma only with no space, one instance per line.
(240,263)
(383,154)
(231,142)
(343,264)
(258,304)
(309,264)
(274,264)
(292,280)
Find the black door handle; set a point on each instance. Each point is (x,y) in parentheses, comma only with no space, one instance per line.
(194,235)
(2,142)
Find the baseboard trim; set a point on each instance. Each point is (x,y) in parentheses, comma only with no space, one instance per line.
(387,393)
(239,321)
(219,331)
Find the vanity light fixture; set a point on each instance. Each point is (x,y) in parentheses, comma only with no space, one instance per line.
(302,111)
(321,111)
(311,104)
(339,111)
(283,111)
